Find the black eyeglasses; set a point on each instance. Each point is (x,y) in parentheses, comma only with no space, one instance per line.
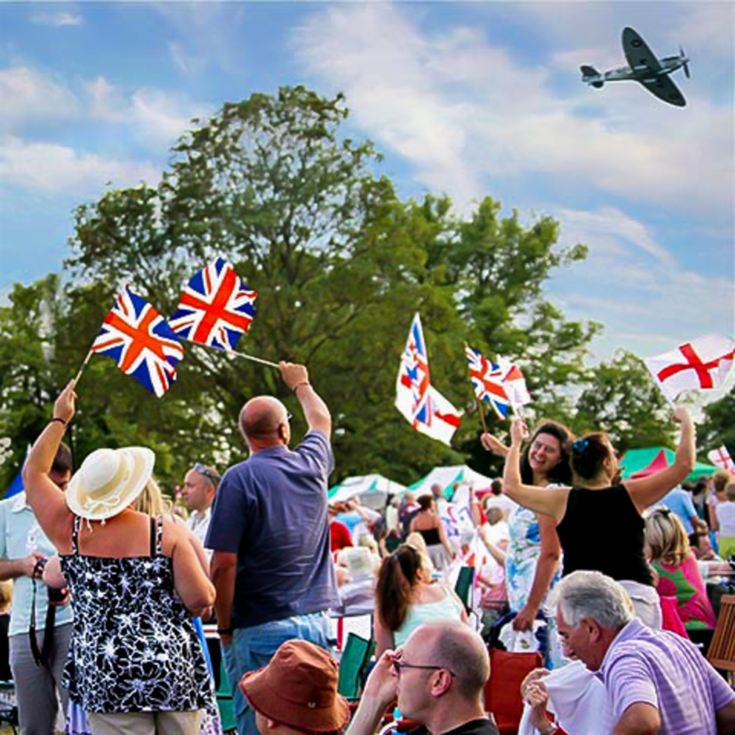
(203,470)
(398,665)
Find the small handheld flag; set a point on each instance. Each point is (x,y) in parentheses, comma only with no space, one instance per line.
(721,457)
(215,308)
(487,382)
(140,341)
(514,384)
(702,364)
(427,410)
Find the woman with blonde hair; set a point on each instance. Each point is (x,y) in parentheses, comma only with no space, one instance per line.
(668,550)
(406,597)
(135,581)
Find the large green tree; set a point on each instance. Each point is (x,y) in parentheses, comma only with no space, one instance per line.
(340,263)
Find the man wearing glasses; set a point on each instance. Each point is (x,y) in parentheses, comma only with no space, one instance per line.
(200,486)
(438,679)
(271,567)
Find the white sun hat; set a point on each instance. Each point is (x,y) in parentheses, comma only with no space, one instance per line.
(108,481)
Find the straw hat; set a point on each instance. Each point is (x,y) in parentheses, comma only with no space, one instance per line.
(298,688)
(108,481)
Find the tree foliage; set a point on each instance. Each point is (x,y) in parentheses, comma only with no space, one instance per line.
(340,263)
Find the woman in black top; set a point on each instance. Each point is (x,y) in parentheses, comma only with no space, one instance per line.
(600,523)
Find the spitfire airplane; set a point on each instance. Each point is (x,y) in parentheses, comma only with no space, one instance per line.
(644,67)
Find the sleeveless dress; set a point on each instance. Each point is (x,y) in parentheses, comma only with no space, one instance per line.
(448,608)
(133,646)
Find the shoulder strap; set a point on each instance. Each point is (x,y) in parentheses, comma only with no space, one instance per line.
(75,534)
(159,535)
(152,536)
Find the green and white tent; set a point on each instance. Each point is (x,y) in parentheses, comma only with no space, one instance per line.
(447,477)
(373,490)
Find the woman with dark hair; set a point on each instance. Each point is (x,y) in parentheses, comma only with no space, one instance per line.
(533,553)
(406,597)
(429,525)
(599,521)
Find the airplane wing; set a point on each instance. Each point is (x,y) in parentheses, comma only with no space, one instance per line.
(664,89)
(639,56)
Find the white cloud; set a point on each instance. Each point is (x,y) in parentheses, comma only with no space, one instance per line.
(189,63)
(57,19)
(156,117)
(54,168)
(468,115)
(629,281)
(29,95)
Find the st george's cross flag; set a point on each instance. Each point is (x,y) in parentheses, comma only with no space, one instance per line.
(427,410)
(702,364)
(140,341)
(487,382)
(215,308)
(721,457)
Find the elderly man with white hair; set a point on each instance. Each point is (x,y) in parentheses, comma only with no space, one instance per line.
(655,681)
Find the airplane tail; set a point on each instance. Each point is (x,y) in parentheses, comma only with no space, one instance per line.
(590,75)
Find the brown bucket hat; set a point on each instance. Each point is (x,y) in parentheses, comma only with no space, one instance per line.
(298,688)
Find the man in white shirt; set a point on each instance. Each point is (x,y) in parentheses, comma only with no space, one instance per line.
(200,487)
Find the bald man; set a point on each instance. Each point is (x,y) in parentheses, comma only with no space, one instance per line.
(269,531)
(437,677)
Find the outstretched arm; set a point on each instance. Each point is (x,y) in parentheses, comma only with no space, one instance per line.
(317,415)
(649,490)
(549,501)
(44,497)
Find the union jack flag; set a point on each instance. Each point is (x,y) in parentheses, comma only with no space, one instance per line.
(140,341)
(487,381)
(215,308)
(514,383)
(427,410)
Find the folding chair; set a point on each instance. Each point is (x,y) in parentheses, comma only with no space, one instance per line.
(224,700)
(463,586)
(721,653)
(353,665)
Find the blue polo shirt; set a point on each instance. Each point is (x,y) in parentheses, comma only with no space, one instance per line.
(271,510)
(20,535)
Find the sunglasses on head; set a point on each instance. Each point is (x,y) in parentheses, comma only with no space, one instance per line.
(203,470)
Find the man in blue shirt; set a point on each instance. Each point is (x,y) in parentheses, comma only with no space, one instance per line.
(679,502)
(269,531)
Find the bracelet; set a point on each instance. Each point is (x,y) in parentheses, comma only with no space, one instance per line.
(298,385)
(224,631)
(59,419)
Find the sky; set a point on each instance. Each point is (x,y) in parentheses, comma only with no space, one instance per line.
(467,99)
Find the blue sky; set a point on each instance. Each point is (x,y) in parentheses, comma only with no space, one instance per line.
(464,98)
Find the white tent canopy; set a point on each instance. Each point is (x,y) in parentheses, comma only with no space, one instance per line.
(448,476)
(373,490)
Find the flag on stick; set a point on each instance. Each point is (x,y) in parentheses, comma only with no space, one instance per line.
(140,341)
(427,410)
(215,308)
(487,382)
(721,457)
(702,364)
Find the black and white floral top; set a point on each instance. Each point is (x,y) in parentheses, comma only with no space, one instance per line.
(133,646)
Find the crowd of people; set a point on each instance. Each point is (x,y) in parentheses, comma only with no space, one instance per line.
(111,585)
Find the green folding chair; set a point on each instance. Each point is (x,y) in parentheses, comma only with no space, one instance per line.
(224,701)
(463,586)
(353,666)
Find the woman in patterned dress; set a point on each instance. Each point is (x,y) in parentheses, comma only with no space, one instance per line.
(532,558)
(135,664)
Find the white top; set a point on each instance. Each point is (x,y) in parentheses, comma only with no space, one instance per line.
(499,501)
(726,517)
(198,524)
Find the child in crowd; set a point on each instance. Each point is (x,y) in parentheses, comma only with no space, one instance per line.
(677,572)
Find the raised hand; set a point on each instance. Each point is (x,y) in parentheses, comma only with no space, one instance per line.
(492,444)
(64,407)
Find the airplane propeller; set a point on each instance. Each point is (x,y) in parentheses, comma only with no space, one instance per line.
(685,62)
